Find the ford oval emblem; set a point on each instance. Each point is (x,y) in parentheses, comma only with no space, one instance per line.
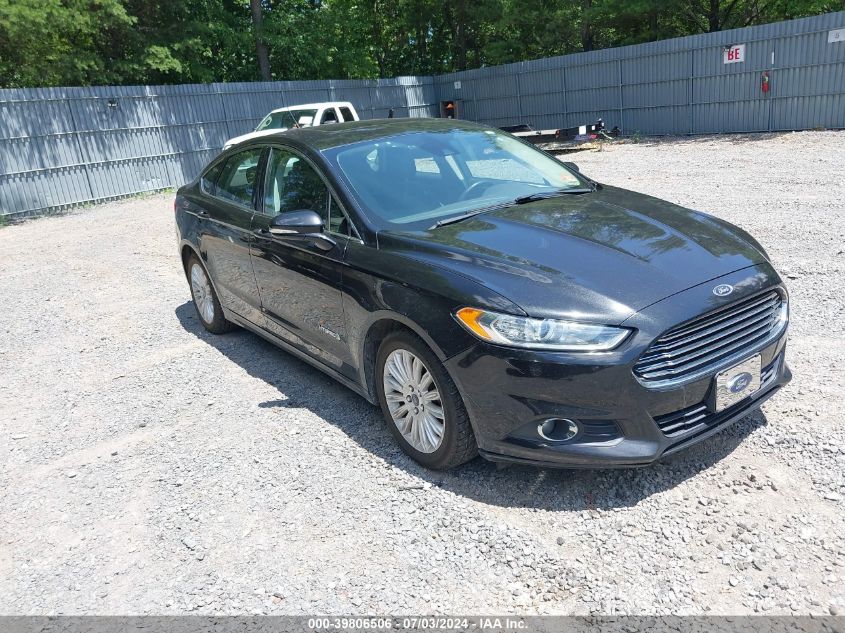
(723,290)
(740,382)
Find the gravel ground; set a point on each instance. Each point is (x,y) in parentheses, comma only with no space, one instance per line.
(148,467)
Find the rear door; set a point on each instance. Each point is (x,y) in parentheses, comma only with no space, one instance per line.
(228,204)
(299,277)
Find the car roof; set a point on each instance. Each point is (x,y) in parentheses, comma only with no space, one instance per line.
(314,106)
(337,134)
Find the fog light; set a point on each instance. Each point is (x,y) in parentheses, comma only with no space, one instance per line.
(557,429)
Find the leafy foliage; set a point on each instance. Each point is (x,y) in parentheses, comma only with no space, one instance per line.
(89,42)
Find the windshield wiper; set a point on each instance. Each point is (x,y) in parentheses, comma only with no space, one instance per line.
(533,197)
(460,218)
(504,205)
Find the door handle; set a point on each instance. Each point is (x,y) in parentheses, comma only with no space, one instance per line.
(202,213)
(323,242)
(261,232)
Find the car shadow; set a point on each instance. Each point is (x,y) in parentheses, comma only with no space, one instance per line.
(302,386)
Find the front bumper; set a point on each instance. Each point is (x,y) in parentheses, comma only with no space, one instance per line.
(509,392)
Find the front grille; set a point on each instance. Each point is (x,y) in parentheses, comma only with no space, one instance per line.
(704,344)
(698,418)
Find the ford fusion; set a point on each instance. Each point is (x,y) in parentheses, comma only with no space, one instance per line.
(489,298)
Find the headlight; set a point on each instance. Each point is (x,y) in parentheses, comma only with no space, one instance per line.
(551,334)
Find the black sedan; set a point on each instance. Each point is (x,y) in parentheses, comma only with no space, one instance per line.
(488,297)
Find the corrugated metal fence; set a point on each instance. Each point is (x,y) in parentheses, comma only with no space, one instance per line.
(65,146)
(679,86)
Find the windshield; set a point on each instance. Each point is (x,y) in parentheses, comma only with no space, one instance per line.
(287,119)
(411,180)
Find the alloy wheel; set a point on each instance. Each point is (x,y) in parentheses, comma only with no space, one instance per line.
(414,401)
(203,296)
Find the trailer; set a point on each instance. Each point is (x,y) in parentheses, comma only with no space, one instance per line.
(578,134)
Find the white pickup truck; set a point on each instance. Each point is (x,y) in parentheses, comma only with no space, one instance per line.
(306,115)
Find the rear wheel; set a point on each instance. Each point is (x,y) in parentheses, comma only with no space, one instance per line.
(205,298)
(421,404)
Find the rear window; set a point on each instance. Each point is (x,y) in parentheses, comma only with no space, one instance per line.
(346,113)
(503,169)
(236,182)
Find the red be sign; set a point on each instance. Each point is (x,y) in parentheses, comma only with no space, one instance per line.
(734,54)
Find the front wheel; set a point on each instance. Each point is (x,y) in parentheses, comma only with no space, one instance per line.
(422,405)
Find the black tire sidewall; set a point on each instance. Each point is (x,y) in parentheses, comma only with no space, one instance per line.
(442,457)
(219,323)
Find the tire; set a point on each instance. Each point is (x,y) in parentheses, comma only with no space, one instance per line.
(205,298)
(456,440)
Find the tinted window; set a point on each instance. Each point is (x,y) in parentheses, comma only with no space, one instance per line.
(416,178)
(209,178)
(236,182)
(329,116)
(338,222)
(292,184)
(346,113)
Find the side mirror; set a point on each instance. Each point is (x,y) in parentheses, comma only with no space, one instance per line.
(572,166)
(302,222)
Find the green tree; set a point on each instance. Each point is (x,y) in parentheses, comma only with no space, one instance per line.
(84,42)
(531,29)
(188,41)
(260,45)
(50,42)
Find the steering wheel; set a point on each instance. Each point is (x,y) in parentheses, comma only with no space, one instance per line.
(475,187)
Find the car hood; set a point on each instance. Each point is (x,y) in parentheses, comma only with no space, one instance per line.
(600,256)
(246,137)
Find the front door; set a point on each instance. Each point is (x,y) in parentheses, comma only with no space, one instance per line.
(299,276)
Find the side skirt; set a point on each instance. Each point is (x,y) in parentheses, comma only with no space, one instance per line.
(278,342)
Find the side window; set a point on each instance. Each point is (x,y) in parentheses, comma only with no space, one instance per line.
(236,182)
(338,222)
(209,178)
(329,116)
(293,185)
(346,113)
